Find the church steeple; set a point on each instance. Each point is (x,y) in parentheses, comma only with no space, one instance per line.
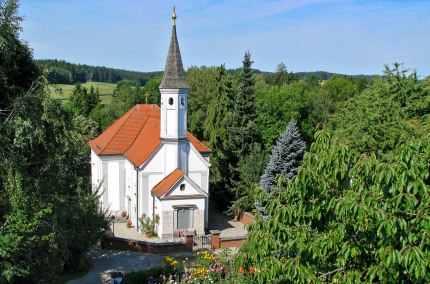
(173,114)
(174,93)
(174,75)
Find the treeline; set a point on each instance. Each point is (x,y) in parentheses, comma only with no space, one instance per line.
(62,72)
(324,75)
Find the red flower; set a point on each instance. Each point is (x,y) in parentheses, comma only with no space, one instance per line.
(242,270)
(251,270)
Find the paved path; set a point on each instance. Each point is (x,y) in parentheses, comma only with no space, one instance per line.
(106,261)
(217,221)
(227,225)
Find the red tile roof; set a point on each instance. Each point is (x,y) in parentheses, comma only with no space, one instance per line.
(136,135)
(165,184)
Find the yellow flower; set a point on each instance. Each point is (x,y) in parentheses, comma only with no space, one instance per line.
(200,272)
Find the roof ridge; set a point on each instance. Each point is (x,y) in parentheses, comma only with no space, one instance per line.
(133,109)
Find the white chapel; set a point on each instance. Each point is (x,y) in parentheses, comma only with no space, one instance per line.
(149,164)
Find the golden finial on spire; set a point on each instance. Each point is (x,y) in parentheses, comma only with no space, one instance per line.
(174,15)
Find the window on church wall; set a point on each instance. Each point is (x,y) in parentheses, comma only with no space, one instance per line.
(170,101)
(182,187)
(182,101)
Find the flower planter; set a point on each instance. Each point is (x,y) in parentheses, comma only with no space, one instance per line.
(148,235)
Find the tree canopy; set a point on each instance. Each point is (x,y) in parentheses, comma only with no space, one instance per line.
(49,216)
(347,218)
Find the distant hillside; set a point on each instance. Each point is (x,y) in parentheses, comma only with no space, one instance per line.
(62,72)
(324,75)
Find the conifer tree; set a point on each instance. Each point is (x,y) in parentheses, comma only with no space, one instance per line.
(285,158)
(218,118)
(243,131)
(82,101)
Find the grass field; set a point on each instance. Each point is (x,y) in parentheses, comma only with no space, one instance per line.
(105,89)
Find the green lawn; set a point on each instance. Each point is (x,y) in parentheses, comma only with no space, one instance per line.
(105,89)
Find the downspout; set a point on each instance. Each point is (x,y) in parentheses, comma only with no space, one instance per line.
(137,198)
(153,207)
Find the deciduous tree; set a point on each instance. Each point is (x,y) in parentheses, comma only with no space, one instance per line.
(347,218)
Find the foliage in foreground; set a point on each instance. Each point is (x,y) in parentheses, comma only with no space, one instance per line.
(347,218)
(53,217)
(48,216)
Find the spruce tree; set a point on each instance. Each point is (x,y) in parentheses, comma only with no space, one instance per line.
(285,158)
(243,130)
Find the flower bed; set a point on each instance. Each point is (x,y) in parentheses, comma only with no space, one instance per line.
(203,268)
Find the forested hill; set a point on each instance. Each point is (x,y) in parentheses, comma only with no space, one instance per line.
(324,75)
(62,72)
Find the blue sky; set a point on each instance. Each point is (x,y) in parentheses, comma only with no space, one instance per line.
(343,36)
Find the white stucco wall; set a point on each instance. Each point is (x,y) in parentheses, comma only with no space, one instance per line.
(96,170)
(188,189)
(173,119)
(110,171)
(198,170)
(113,185)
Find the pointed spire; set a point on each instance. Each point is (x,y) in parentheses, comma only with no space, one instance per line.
(174,74)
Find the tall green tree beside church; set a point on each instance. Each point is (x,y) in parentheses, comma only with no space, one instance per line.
(203,88)
(243,131)
(219,115)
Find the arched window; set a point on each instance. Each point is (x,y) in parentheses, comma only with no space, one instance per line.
(183,101)
(182,187)
(170,101)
